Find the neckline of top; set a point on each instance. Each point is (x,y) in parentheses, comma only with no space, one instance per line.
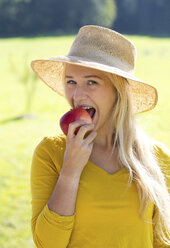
(105,172)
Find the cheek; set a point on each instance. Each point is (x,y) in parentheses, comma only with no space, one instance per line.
(109,101)
(67,92)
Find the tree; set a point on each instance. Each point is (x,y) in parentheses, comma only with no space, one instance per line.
(149,17)
(96,12)
(22,17)
(13,16)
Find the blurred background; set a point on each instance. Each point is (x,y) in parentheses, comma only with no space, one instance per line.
(29,110)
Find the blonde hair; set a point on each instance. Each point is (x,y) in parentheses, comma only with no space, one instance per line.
(136,153)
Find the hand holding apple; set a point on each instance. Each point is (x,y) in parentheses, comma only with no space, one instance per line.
(78,146)
(74,115)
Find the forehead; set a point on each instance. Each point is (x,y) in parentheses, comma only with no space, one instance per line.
(73,70)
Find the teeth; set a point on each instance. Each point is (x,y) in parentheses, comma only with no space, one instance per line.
(86,107)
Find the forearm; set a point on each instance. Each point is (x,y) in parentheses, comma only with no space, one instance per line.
(54,224)
(76,156)
(63,199)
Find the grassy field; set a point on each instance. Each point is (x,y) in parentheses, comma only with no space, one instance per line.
(19,138)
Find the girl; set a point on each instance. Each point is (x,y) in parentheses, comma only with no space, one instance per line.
(108,188)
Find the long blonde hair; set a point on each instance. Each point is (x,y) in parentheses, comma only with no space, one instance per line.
(137,154)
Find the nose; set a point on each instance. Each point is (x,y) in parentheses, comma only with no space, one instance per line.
(79,93)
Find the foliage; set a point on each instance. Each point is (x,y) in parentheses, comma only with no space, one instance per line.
(32,17)
(97,12)
(143,17)
(37,16)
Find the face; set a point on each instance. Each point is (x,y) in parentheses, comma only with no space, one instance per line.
(90,87)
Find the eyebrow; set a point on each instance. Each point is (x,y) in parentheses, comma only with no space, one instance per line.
(88,76)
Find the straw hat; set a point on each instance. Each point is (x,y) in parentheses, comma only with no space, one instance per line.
(103,49)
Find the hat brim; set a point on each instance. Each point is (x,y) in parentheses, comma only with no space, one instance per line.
(51,71)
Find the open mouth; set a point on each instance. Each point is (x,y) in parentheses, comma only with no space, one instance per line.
(91,111)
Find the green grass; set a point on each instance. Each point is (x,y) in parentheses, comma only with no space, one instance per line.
(19,138)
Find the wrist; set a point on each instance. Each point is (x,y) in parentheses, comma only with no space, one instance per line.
(69,176)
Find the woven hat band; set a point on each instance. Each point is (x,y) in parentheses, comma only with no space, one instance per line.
(101,58)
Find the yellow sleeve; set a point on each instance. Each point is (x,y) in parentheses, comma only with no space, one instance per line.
(163,157)
(49,229)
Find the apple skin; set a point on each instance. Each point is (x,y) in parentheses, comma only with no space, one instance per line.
(74,115)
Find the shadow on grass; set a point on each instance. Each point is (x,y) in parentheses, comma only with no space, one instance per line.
(73,32)
(40,35)
(17,118)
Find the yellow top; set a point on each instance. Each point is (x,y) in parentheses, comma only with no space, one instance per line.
(106,213)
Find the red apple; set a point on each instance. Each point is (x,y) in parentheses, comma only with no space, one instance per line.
(74,115)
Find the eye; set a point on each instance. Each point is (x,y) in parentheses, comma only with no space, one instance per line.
(71,82)
(91,82)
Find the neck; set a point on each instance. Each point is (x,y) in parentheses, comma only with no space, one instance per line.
(104,140)
(104,146)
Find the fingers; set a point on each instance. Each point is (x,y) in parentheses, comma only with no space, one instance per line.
(90,138)
(90,146)
(84,133)
(73,126)
(84,130)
